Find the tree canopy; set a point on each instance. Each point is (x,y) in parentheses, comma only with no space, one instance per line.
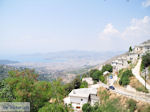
(107,67)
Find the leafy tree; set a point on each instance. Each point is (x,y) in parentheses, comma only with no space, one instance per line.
(84,84)
(130,49)
(124,80)
(58,91)
(107,67)
(95,74)
(145,60)
(75,84)
(24,87)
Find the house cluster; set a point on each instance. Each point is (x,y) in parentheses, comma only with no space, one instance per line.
(142,48)
(138,51)
(78,97)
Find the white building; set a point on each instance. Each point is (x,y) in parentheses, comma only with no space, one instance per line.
(142,48)
(89,80)
(78,97)
(119,63)
(132,57)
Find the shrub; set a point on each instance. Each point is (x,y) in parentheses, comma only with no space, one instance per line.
(102,78)
(124,80)
(84,84)
(145,60)
(87,107)
(107,67)
(131,105)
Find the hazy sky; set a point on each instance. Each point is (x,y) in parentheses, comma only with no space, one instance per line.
(30,26)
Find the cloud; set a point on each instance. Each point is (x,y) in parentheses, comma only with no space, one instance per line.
(146,3)
(137,32)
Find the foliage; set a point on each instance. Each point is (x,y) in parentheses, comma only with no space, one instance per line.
(4,71)
(131,105)
(23,86)
(112,105)
(87,108)
(95,74)
(104,96)
(84,84)
(75,84)
(120,73)
(124,80)
(54,108)
(147,109)
(130,49)
(145,61)
(6,93)
(102,78)
(107,67)
(142,89)
(129,62)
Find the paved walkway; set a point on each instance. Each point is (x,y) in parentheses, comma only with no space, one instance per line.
(135,95)
(136,73)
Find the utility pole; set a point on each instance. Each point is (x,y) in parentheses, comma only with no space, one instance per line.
(145,78)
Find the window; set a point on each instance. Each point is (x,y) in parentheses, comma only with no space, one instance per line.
(78,107)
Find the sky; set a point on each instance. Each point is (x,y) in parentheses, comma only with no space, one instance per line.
(41,26)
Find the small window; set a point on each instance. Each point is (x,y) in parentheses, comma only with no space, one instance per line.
(81,99)
(78,107)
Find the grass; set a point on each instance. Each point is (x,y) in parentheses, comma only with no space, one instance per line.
(137,85)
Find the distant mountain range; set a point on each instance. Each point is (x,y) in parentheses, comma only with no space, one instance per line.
(7,62)
(64,56)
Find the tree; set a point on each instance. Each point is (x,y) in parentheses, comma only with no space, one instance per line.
(145,60)
(130,49)
(124,80)
(107,67)
(84,84)
(24,87)
(96,74)
(76,82)
(87,108)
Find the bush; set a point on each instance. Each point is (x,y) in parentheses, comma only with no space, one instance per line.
(84,84)
(129,62)
(102,78)
(131,105)
(54,108)
(107,67)
(142,89)
(145,60)
(124,80)
(87,107)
